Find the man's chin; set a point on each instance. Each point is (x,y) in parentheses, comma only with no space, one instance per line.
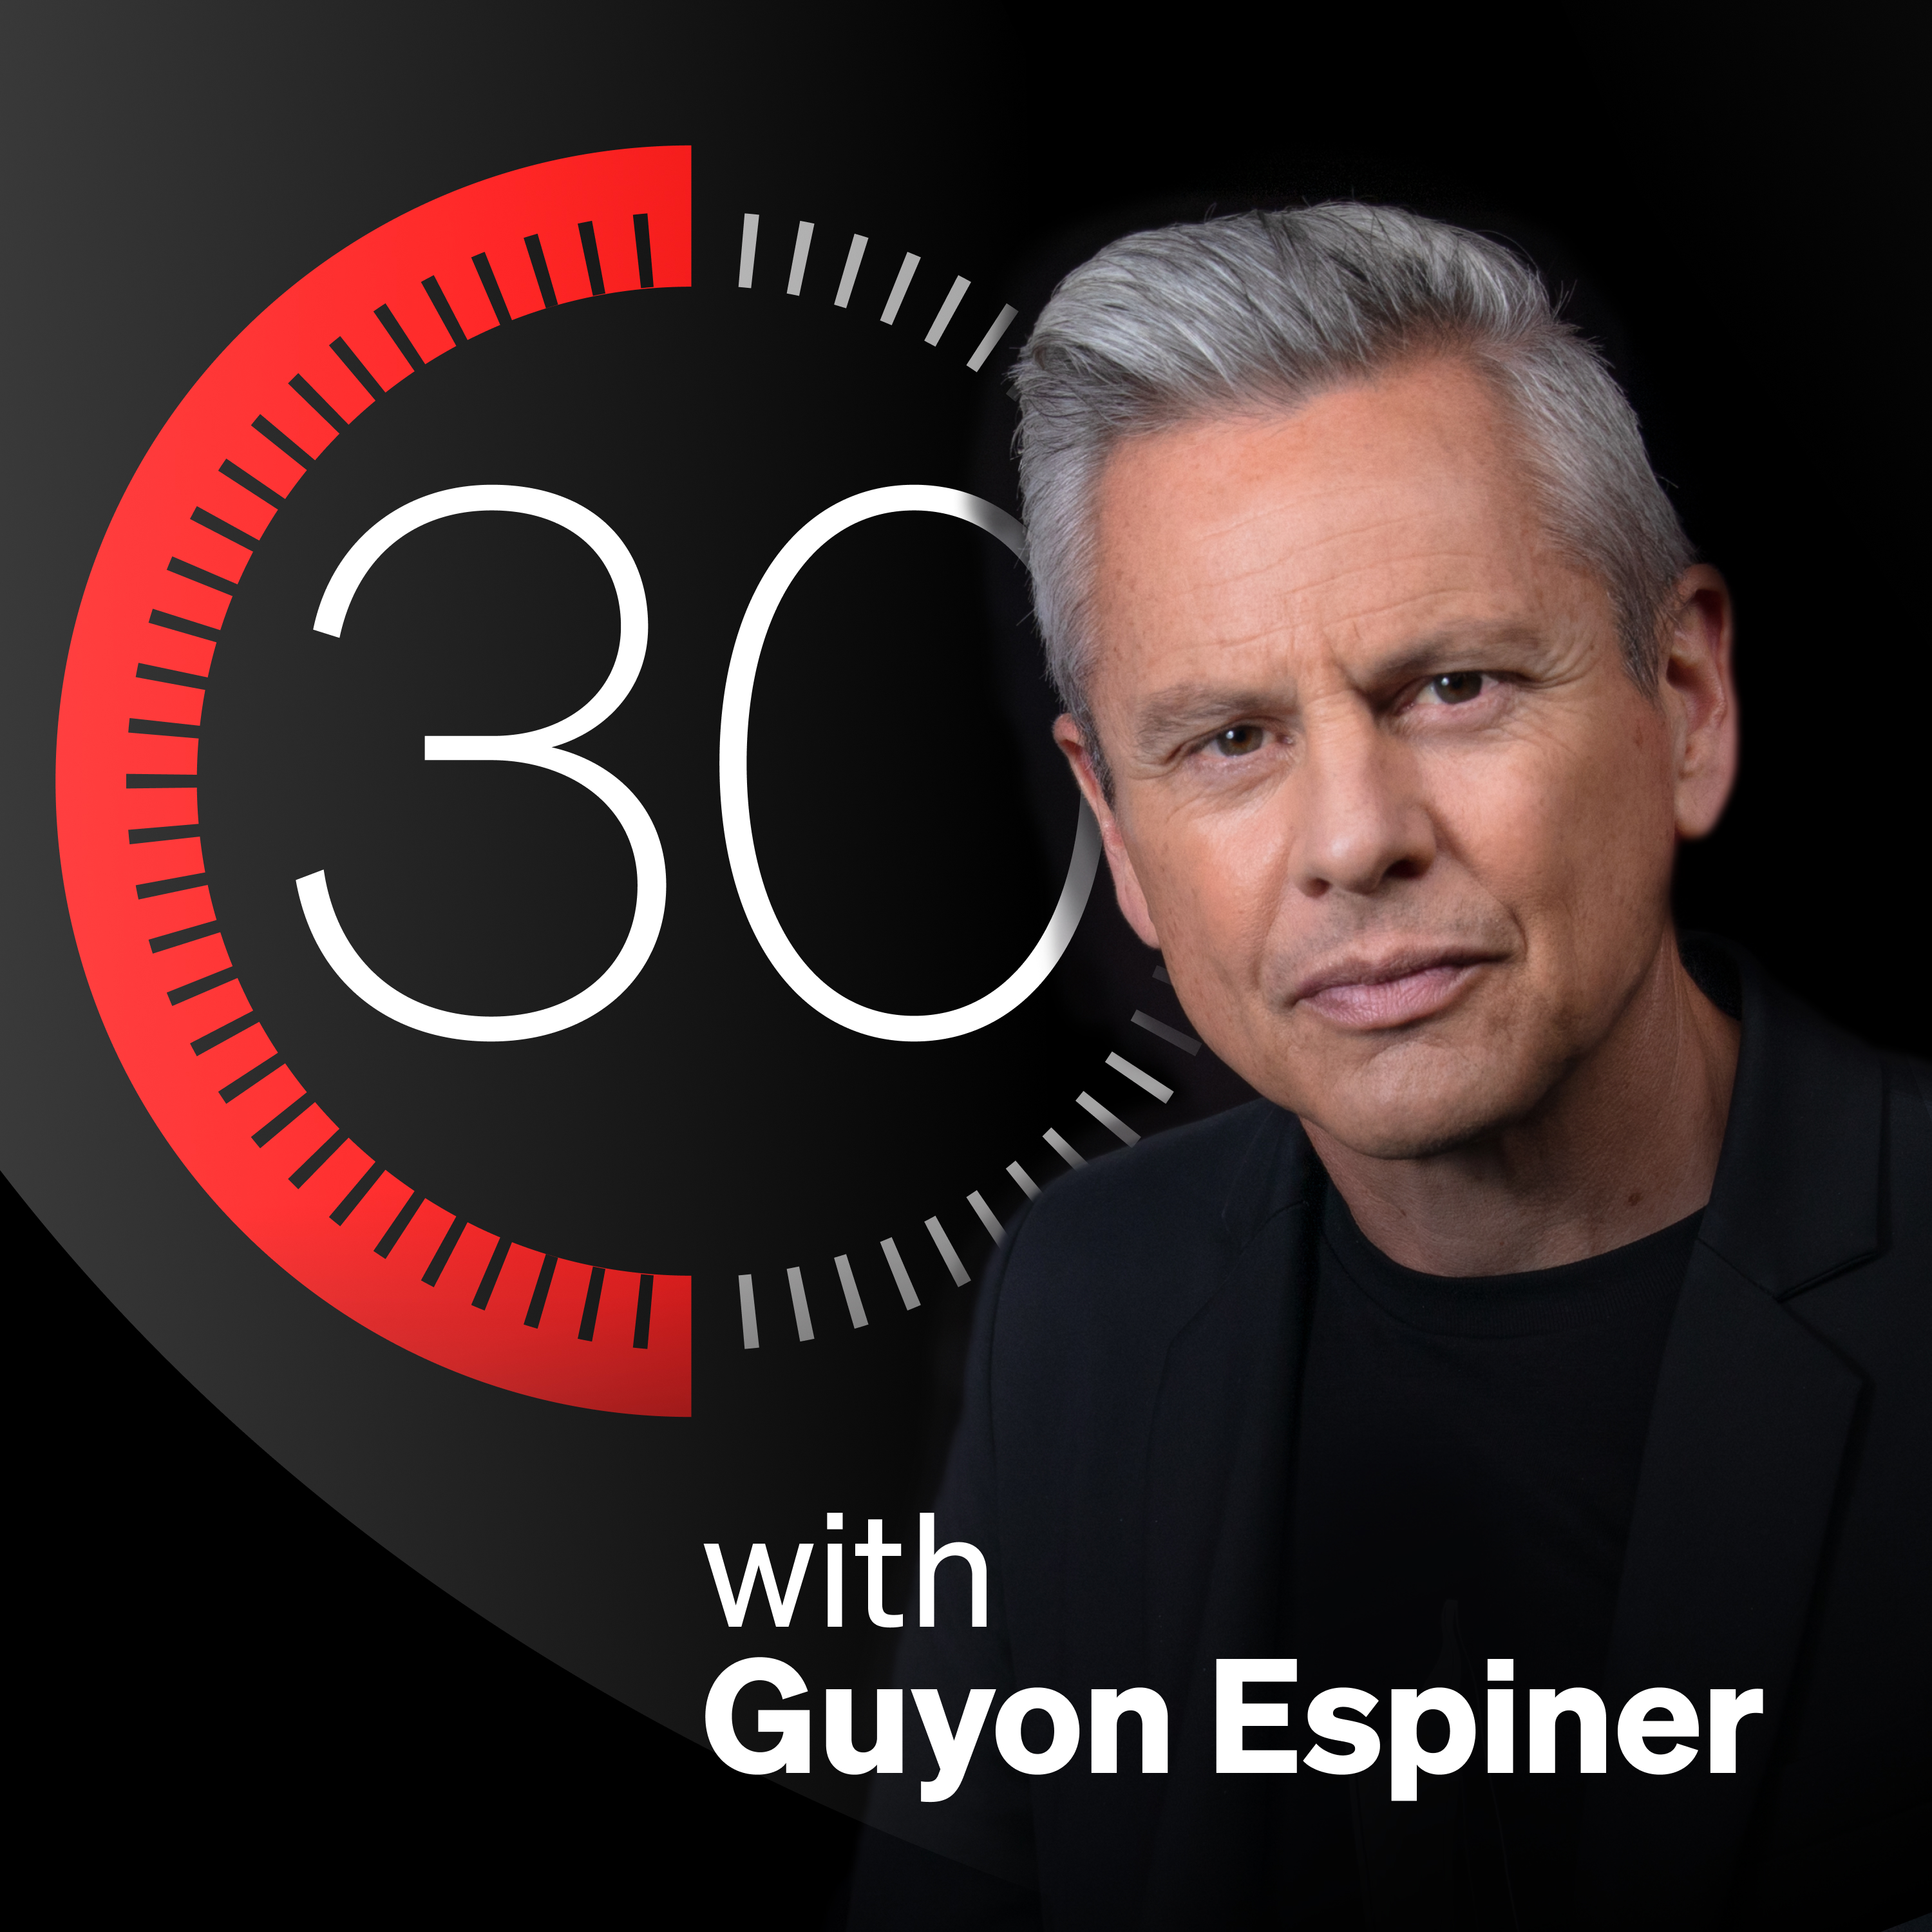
(1401,1140)
(1409,1120)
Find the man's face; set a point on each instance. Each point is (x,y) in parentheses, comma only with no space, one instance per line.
(1384,796)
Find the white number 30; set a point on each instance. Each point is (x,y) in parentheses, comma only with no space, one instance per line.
(544,748)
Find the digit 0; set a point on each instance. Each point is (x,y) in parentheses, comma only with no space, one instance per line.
(734,792)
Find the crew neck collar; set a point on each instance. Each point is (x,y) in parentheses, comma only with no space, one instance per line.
(1537,1301)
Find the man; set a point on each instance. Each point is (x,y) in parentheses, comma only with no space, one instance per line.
(1558,1318)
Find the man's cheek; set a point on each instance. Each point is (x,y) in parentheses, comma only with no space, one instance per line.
(1530,834)
(1191,884)
(1508,791)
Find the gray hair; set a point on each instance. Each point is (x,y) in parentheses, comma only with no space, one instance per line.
(1267,309)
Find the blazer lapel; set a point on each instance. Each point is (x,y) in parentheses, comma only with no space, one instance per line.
(1748,1437)
(1217,1489)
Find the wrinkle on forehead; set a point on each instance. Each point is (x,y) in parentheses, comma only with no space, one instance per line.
(1329,529)
(1258,567)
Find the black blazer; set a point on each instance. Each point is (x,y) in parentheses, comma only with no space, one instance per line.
(1122,1460)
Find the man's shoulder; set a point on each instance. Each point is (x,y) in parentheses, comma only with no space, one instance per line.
(1182,1177)
(1138,1227)
(1823,1128)
(1911,1082)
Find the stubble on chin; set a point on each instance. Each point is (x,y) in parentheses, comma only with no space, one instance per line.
(1414,1093)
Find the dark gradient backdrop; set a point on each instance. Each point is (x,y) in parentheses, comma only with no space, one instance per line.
(235,1669)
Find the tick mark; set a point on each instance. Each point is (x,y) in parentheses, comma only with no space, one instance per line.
(195,573)
(854,1307)
(286,444)
(903,281)
(260,1072)
(445,1248)
(320,403)
(486,276)
(948,1253)
(294,1111)
(800,249)
(195,988)
(253,484)
(167,674)
(487,1286)
(156,889)
(948,308)
(800,1313)
(854,256)
(394,331)
(907,1293)
(540,1294)
(533,247)
(320,1158)
(444,314)
(1128,1070)
(352,1199)
(401,1222)
(354,364)
(210,1040)
(1187,1043)
(990,340)
(1112,1122)
(169,939)
(188,627)
(222,527)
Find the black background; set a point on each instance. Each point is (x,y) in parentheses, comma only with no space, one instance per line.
(233,1671)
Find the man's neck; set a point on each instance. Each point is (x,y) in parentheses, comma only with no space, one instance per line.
(1626,1143)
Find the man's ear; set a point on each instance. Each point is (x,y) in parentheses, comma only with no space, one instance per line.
(1068,735)
(1700,699)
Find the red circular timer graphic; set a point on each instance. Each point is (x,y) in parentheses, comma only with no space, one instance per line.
(557,801)
(147,913)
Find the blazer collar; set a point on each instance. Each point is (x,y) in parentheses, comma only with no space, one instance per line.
(1743,1454)
(1219,1440)
(1277,1171)
(1797,1196)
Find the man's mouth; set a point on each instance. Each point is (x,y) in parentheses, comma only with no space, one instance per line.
(1365,996)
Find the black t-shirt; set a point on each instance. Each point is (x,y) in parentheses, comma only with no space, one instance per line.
(1466,1465)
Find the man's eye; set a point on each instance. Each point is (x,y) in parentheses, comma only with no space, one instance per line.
(1456,687)
(1238,740)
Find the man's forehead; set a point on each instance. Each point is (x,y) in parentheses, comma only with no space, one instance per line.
(1374,517)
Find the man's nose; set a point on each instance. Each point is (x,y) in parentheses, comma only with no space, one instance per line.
(1360,817)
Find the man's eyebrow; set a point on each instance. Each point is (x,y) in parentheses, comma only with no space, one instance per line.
(1183,710)
(1462,647)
